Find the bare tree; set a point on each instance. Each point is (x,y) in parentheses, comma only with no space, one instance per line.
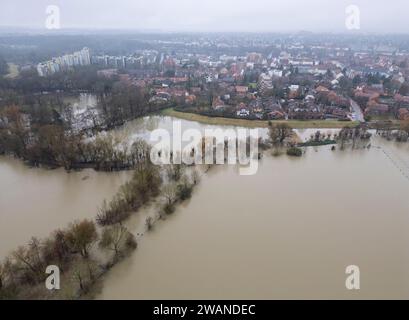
(169,193)
(81,236)
(25,263)
(116,239)
(279,132)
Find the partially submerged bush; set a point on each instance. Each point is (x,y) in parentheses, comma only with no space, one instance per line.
(294,152)
(81,236)
(169,208)
(277,152)
(117,239)
(149,223)
(184,191)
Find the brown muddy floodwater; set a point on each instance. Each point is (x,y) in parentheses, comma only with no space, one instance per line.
(288,231)
(35,202)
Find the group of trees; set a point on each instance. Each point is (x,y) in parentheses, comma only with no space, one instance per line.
(144,185)
(122,103)
(79,79)
(352,134)
(279,133)
(33,111)
(38,128)
(179,187)
(49,144)
(54,145)
(22,274)
(108,152)
(389,130)
(280,137)
(319,139)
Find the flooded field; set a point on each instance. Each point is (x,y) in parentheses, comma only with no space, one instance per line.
(289,231)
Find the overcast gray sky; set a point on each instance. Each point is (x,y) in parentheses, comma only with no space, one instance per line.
(210,15)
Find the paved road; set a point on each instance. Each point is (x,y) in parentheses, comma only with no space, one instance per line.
(357,111)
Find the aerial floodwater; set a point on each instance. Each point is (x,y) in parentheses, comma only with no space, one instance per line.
(289,231)
(34,201)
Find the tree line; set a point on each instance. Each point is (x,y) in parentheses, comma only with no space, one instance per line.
(389,130)
(40,129)
(74,250)
(55,146)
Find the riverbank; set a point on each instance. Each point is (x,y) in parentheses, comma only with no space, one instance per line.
(296,124)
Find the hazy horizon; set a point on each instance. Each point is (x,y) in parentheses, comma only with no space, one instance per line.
(277,16)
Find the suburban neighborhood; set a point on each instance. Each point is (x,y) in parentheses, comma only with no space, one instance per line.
(295,78)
